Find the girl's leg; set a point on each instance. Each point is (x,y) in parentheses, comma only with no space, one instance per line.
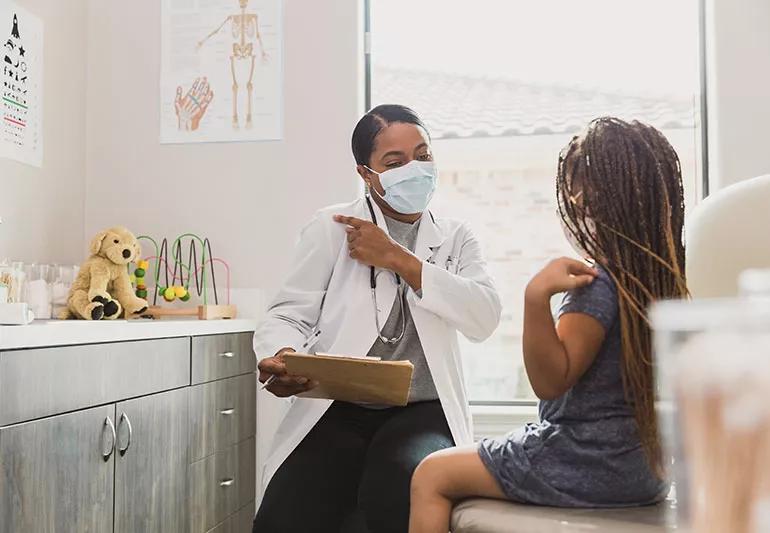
(443,478)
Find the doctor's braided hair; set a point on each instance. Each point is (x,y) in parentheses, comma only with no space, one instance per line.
(631,183)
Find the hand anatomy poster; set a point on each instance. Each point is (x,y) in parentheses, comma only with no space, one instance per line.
(221,70)
(21,103)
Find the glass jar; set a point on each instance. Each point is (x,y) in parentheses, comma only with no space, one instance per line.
(755,283)
(37,292)
(713,373)
(62,279)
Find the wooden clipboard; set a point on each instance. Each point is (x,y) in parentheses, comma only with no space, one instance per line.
(353,379)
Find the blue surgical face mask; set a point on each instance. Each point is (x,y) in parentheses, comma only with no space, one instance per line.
(408,188)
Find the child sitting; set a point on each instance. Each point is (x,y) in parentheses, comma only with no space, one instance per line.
(619,190)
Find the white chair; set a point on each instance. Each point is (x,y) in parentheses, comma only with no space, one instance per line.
(726,234)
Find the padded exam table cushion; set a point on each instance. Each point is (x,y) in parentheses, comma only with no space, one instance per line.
(492,516)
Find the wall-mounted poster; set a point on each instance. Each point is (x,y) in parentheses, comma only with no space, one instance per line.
(221,70)
(21,103)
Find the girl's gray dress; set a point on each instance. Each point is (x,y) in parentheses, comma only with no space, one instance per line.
(585,451)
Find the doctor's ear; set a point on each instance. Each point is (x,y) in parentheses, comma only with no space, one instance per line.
(365,174)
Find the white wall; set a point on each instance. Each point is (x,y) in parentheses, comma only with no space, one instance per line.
(738,55)
(42,208)
(250,199)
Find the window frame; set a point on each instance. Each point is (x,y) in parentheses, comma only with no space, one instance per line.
(516,406)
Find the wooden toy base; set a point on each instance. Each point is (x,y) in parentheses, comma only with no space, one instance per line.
(203,312)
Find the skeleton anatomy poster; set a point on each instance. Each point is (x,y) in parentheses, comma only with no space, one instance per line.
(21,100)
(221,70)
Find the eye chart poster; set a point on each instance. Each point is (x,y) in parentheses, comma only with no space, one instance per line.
(221,70)
(21,88)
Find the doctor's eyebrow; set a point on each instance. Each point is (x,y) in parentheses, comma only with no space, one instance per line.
(392,153)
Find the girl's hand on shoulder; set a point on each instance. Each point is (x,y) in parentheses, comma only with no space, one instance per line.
(560,275)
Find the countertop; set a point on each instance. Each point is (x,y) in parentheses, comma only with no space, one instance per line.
(43,333)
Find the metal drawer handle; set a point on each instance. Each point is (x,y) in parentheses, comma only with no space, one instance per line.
(227,412)
(108,424)
(227,355)
(124,418)
(226,482)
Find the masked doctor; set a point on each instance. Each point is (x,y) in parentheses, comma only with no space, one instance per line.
(382,276)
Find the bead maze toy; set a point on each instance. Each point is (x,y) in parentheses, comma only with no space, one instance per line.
(181,279)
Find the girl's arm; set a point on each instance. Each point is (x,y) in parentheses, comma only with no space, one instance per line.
(555,356)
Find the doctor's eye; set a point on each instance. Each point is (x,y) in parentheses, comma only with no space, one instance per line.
(394,164)
(425,157)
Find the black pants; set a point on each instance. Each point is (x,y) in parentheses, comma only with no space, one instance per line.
(353,459)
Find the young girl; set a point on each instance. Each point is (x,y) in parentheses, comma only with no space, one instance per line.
(619,189)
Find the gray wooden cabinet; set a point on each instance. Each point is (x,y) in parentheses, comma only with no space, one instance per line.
(151,464)
(57,474)
(145,448)
(222,434)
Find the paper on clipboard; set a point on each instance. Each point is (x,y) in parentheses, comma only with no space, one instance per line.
(353,379)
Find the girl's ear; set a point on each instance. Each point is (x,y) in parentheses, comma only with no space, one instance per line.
(96,242)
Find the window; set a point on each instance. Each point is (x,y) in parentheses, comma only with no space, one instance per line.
(503,85)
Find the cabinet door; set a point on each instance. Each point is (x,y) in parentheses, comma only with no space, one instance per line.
(152,457)
(57,474)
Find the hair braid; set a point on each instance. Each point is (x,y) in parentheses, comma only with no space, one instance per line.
(631,181)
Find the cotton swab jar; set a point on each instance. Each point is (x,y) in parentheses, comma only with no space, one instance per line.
(713,368)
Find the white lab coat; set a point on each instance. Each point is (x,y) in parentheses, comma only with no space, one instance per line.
(328,289)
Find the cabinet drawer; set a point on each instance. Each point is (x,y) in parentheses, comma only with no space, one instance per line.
(246,454)
(243,521)
(224,527)
(213,490)
(43,382)
(222,356)
(222,413)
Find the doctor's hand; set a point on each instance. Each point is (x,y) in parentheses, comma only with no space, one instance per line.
(284,385)
(370,245)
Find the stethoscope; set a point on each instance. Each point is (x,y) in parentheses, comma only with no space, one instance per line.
(399,287)
(399,290)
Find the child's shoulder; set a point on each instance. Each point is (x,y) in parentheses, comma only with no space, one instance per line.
(599,299)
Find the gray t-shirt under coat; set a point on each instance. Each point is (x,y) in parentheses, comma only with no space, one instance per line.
(409,348)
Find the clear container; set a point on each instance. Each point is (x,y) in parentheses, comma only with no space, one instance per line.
(713,372)
(37,291)
(62,278)
(12,275)
(754,283)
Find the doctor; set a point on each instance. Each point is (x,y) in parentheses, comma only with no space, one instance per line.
(386,277)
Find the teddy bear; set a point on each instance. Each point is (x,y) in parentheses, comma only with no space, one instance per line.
(103,288)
